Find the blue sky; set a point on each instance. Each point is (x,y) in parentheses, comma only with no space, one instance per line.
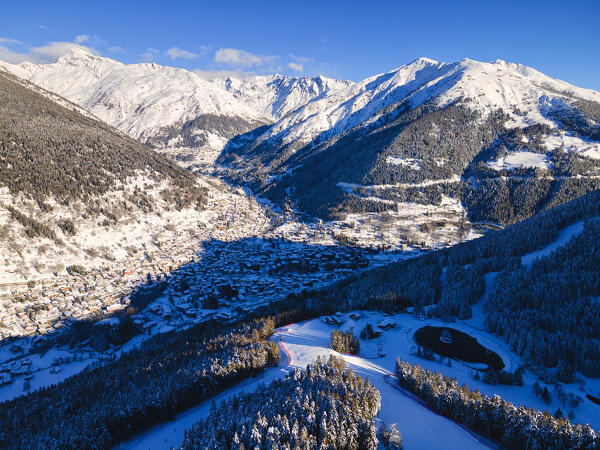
(347,39)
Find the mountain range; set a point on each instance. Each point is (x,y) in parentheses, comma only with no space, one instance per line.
(165,106)
(498,141)
(503,139)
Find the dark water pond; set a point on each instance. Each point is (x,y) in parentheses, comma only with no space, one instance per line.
(462,346)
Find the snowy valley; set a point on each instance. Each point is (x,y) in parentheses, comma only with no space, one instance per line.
(184,240)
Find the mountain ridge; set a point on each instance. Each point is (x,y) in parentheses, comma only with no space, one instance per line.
(153,103)
(405,131)
(476,133)
(416,82)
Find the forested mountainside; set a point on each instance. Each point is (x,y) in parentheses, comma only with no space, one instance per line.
(543,304)
(502,138)
(51,152)
(111,401)
(65,176)
(170,107)
(325,406)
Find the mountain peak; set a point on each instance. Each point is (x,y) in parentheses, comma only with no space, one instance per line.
(78,55)
(424,60)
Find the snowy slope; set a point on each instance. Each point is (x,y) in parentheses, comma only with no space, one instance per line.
(148,101)
(139,99)
(274,96)
(301,343)
(484,86)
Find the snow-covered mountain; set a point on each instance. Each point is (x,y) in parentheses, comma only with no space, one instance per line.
(426,129)
(274,96)
(423,128)
(167,106)
(485,87)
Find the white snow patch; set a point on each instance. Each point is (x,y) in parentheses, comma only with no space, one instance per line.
(523,159)
(570,143)
(410,163)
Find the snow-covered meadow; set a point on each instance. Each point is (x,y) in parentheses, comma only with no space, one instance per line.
(301,343)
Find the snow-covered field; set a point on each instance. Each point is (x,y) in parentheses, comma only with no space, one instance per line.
(411,225)
(562,139)
(517,160)
(571,143)
(421,428)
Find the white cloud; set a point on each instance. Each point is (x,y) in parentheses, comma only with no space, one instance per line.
(9,41)
(296,67)
(149,55)
(300,59)
(241,58)
(116,49)
(42,27)
(43,54)
(80,39)
(176,52)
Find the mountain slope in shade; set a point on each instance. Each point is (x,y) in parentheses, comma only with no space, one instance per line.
(504,139)
(165,106)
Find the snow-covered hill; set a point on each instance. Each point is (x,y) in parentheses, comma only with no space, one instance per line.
(274,96)
(485,87)
(470,130)
(167,106)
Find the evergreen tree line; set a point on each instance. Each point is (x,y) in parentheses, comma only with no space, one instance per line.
(344,342)
(326,406)
(108,403)
(491,376)
(546,313)
(513,427)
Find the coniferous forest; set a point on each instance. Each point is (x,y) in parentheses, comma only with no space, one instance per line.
(108,403)
(513,427)
(325,406)
(546,311)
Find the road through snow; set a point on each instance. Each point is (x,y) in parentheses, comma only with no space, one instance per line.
(301,344)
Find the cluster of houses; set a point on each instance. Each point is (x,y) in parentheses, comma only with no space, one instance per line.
(272,262)
(43,306)
(231,278)
(238,261)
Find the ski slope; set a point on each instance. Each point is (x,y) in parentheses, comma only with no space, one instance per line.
(301,343)
(563,238)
